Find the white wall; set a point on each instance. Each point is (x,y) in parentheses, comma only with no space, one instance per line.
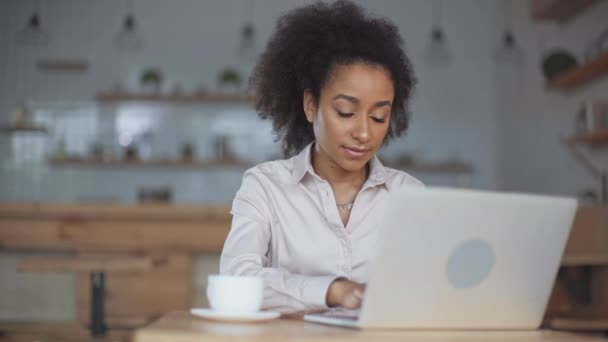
(4,50)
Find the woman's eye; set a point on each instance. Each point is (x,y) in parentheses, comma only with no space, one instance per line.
(378,120)
(345,115)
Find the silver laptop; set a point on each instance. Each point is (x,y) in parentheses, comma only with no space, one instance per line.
(462,259)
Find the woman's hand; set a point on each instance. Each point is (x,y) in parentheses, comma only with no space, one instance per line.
(346,293)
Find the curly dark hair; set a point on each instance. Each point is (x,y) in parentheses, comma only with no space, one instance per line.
(308,43)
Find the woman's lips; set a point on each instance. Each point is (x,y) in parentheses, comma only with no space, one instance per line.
(355,152)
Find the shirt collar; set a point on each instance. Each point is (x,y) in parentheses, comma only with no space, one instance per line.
(377,173)
(302,164)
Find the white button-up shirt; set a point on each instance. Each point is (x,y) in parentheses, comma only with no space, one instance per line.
(287,229)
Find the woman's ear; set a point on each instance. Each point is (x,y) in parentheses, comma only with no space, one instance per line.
(310,106)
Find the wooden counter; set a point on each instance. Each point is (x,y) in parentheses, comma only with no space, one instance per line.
(119,228)
(161,240)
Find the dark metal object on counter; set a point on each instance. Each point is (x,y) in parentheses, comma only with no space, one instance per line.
(155,194)
(222,148)
(187,152)
(98,325)
(131,153)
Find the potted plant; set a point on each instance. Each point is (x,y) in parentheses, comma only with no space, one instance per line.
(229,79)
(151,80)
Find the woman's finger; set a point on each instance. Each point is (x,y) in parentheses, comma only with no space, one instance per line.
(352,301)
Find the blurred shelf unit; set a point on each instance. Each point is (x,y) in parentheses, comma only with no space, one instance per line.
(580,75)
(579,300)
(585,259)
(594,139)
(450,167)
(81,162)
(62,65)
(581,324)
(558,10)
(207,98)
(8,128)
(455,167)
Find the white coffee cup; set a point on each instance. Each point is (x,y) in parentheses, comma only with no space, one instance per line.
(235,294)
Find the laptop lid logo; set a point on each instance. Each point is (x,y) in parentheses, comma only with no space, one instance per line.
(470,263)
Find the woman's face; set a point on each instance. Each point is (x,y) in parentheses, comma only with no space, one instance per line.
(351,118)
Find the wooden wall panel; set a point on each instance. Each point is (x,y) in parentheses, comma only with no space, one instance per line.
(174,233)
(589,232)
(133,298)
(112,235)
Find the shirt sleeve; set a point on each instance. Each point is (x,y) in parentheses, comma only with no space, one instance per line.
(246,251)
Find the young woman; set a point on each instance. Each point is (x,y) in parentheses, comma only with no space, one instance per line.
(336,84)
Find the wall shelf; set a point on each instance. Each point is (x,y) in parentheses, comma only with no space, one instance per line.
(558,10)
(581,318)
(210,98)
(597,138)
(585,259)
(22,128)
(597,324)
(152,164)
(581,75)
(76,161)
(62,65)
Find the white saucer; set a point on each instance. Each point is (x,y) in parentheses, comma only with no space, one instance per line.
(259,316)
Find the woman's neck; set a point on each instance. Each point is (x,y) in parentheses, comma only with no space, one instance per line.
(327,169)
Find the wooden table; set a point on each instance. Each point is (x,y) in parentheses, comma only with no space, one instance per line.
(183,327)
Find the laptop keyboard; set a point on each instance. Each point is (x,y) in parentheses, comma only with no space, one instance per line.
(341,313)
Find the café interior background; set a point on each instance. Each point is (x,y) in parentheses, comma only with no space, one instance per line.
(480,110)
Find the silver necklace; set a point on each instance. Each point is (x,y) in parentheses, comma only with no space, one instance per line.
(345,206)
